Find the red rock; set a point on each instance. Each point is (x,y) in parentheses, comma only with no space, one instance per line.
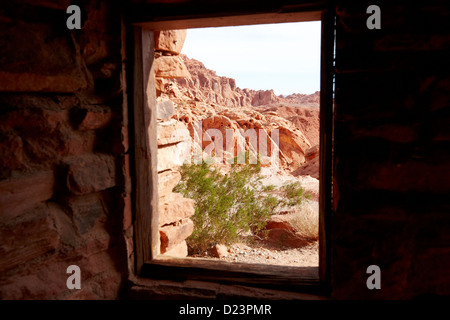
(174,207)
(86,210)
(312,153)
(76,143)
(27,238)
(179,250)
(174,155)
(170,67)
(293,144)
(310,168)
(127,212)
(65,226)
(286,238)
(164,109)
(170,40)
(167,180)
(95,119)
(218,251)
(210,100)
(53,66)
(91,173)
(280,222)
(205,85)
(171,235)
(54,4)
(170,132)
(264,97)
(24,192)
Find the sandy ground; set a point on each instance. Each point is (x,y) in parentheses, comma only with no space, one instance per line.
(304,257)
(262,253)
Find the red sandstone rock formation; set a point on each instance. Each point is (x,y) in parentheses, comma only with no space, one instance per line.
(205,85)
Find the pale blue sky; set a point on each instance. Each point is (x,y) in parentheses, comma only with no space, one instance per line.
(284,57)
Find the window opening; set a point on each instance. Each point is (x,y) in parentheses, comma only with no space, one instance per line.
(149,260)
(238,154)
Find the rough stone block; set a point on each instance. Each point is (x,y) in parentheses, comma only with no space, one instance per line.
(180,250)
(173,208)
(164,109)
(170,235)
(32,235)
(92,118)
(11,152)
(170,40)
(91,173)
(167,180)
(36,65)
(86,210)
(219,251)
(172,131)
(170,67)
(18,194)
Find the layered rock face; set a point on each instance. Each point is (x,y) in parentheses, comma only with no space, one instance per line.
(261,122)
(202,84)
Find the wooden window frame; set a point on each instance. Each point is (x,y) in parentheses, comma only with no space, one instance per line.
(149,263)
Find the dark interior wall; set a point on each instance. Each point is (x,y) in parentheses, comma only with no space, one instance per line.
(392,150)
(64,180)
(63,151)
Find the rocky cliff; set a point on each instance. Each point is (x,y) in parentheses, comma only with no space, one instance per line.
(202,84)
(204,99)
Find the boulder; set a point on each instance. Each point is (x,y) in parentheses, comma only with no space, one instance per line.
(218,251)
(286,238)
(280,221)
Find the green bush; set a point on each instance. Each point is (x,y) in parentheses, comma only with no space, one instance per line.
(227,206)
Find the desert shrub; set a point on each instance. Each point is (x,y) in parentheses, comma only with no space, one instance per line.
(294,194)
(227,206)
(306,220)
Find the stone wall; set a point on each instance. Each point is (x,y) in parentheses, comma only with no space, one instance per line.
(63,152)
(392,150)
(174,146)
